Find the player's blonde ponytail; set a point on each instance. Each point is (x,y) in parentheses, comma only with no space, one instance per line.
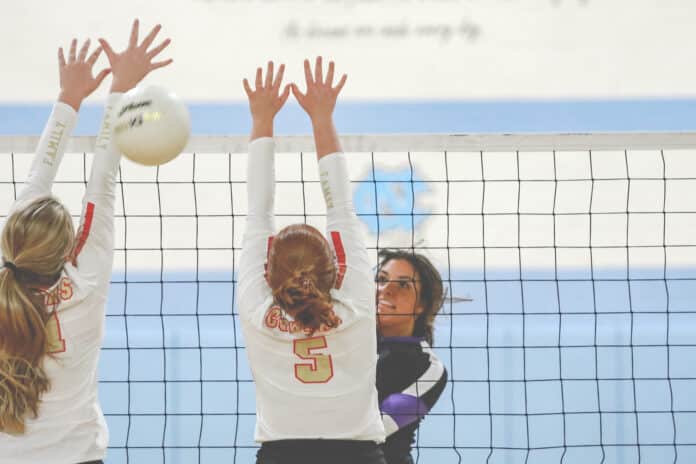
(36,240)
(301,273)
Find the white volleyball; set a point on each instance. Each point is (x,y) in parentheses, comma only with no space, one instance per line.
(152,125)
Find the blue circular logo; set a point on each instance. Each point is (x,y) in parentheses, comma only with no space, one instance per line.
(388,200)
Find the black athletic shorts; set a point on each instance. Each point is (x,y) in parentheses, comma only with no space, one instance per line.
(320,452)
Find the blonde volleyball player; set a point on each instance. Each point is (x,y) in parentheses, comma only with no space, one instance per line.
(54,285)
(309,317)
(410,377)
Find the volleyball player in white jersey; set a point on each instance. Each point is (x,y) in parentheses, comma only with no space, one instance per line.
(309,316)
(53,285)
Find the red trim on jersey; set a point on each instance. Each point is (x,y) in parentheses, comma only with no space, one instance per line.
(268,252)
(340,258)
(84,229)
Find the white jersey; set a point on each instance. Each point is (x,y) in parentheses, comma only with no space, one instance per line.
(70,426)
(320,386)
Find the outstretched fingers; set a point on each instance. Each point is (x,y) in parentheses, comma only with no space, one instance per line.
(61,57)
(83,51)
(269,75)
(247,87)
(150,37)
(259,80)
(297,93)
(266,98)
(308,73)
(133,41)
(101,76)
(160,64)
(158,49)
(131,65)
(271,83)
(73,48)
(279,79)
(284,96)
(94,56)
(77,80)
(110,54)
(330,74)
(340,84)
(318,71)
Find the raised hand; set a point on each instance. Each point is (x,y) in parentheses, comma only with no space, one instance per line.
(135,62)
(265,100)
(320,99)
(76,79)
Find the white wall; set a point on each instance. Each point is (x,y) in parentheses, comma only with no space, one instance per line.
(492,48)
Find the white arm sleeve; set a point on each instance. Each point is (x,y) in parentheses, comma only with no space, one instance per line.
(95,239)
(49,152)
(355,278)
(252,288)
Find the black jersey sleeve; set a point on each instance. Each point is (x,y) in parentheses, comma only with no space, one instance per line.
(410,379)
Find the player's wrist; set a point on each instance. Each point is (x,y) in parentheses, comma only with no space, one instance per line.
(70,98)
(120,86)
(322,121)
(262,128)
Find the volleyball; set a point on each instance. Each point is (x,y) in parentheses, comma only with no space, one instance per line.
(152,125)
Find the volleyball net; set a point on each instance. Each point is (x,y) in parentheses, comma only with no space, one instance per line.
(569,263)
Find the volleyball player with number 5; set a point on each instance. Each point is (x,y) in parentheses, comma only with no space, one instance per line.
(306,303)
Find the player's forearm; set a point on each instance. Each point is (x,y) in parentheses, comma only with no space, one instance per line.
(259,225)
(261,176)
(325,137)
(72,99)
(94,250)
(335,183)
(102,180)
(49,152)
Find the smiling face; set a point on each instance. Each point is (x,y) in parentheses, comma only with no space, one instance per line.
(398,306)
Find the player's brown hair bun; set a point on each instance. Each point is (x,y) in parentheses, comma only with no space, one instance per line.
(301,273)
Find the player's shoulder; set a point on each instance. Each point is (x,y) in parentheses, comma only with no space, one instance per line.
(404,351)
(406,344)
(69,290)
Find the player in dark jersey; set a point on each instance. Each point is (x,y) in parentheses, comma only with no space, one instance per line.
(410,377)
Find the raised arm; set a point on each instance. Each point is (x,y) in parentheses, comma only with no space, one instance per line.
(94,248)
(265,100)
(355,275)
(76,84)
